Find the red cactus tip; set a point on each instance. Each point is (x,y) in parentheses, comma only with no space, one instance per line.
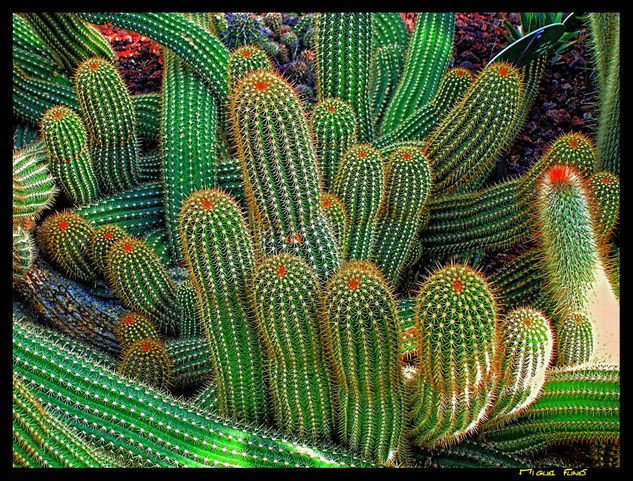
(558,173)
(128,319)
(406,156)
(352,284)
(331,108)
(503,71)
(281,271)
(206,204)
(93,65)
(362,154)
(606,180)
(260,85)
(573,143)
(127,247)
(146,346)
(326,202)
(460,73)
(246,53)
(58,114)
(108,235)
(62,225)
(457,285)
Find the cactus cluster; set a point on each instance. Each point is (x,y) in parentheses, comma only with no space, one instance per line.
(274,261)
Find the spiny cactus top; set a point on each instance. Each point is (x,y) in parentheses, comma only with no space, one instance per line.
(575,340)
(147,361)
(245,59)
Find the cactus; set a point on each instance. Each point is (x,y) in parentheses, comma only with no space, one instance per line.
(110,120)
(24,37)
(70,40)
(191,361)
(207,398)
(285,301)
(134,326)
(576,404)
(66,142)
(613,271)
(334,127)
(604,188)
(147,361)
(279,180)
(337,217)
(456,345)
(343,67)
(136,210)
(387,66)
(428,55)
(22,252)
(407,186)
(23,135)
(360,184)
(567,238)
(525,349)
(101,239)
(36,66)
(190,325)
(230,178)
(574,340)
(158,241)
(363,335)
(219,257)
(246,59)
(67,240)
(390,29)
(41,440)
(520,280)
(468,454)
(142,282)
(149,427)
(241,29)
(605,454)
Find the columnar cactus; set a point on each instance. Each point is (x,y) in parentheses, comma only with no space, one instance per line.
(285,297)
(134,326)
(363,334)
(280,171)
(456,345)
(142,282)
(22,252)
(110,120)
(387,65)
(465,146)
(604,188)
(191,361)
(574,340)
(520,280)
(428,55)
(147,361)
(390,29)
(334,127)
(219,257)
(246,59)
(190,325)
(407,186)
(343,66)
(360,184)
(526,344)
(66,141)
(337,216)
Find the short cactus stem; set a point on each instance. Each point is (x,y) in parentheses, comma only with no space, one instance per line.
(455,321)
(285,297)
(344,66)
(110,120)
(337,217)
(219,257)
(282,185)
(66,240)
(22,252)
(604,188)
(364,337)
(66,141)
(526,344)
(246,59)
(334,127)
(574,340)
(191,361)
(360,184)
(134,326)
(147,361)
(190,325)
(142,282)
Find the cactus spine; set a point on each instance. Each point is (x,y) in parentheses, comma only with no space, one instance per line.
(246,59)
(428,55)
(190,325)
(604,188)
(191,361)
(364,338)
(389,28)
(147,361)
(337,217)
(407,186)
(456,345)
(280,171)
(360,183)
(219,258)
(285,297)
(66,142)
(22,252)
(133,327)
(387,65)
(343,66)
(574,340)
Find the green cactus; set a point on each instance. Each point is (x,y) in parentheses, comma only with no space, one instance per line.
(604,188)
(40,440)
(230,177)
(613,271)
(337,217)
(574,340)
(285,302)
(456,345)
(191,361)
(34,188)
(334,127)
(386,68)
(605,454)
(206,398)
(147,361)
(69,39)
(363,335)
(36,66)
(110,120)
(149,427)
(567,238)
(69,159)
(360,184)
(463,149)
(141,281)
(24,37)
(407,186)
(134,326)
(66,236)
(246,59)
(147,108)
(576,404)
(390,29)
(525,349)
(22,252)
(520,280)
(219,257)
(202,51)
(190,325)
(136,210)
(468,454)
(23,135)
(280,171)
(101,239)
(427,59)
(420,123)
(343,67)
